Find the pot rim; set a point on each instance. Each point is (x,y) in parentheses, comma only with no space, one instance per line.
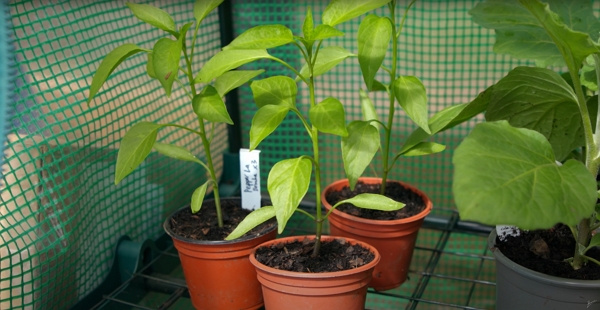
(172,234)
(319,275)
(419,216)
(535,275)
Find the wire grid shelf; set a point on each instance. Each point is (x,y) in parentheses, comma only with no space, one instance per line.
(451,269)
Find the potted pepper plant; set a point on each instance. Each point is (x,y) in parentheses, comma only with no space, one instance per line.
(218,272)
(302,272)
(533,164)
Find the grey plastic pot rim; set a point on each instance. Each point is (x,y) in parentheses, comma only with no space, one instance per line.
(534,275)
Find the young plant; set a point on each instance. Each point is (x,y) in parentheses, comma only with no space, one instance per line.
(164,65)
(289,179)
(507,175)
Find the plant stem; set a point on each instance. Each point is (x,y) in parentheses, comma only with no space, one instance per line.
(583,239)
(392,101)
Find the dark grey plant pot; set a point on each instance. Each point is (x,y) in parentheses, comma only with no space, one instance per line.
(520,288)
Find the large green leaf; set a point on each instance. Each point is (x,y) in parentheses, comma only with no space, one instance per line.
(323,32)
(411,95)
(262,37)
(288,183)
(368,109)
(198,197)
(327,58)
(252,220)
(509,176)
(529,30)
(373,202)
(276,90)
(108,65)
(224,61)
(175,152)
(339,11)
(150,67)
(165,59)
(135,147)
(328,116)
(203,7)
(234,79)
(209,105)
(374,34)
(539,99)
(358,149)
(153,16)
(265,121)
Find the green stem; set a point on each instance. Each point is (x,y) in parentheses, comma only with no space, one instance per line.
(583,239)
(597,65)
(306,213)
(591,259)
(304,122)
(315,142)
(213,175)
(185,89)
(291,68)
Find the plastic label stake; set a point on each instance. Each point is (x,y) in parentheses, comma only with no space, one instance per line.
(250,176)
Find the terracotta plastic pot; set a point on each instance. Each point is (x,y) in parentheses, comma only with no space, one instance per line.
(520,288)
(305,291)
(218,273)
(394,239)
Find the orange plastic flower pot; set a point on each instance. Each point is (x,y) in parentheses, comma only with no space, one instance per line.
(394,239)
(305,291)
(218,273)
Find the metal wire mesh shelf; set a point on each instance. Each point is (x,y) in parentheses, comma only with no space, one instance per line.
(450,269)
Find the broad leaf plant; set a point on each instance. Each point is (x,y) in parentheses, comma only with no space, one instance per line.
(534,163)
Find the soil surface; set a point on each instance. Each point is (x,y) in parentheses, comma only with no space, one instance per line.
(204,226)
(414,202)
(334,256)
(545,251)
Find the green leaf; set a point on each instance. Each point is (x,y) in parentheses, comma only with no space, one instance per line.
(252,220)
(374,202)
(328,116)
(509,176)
(411,95)
(262,37)
(594,242)
(529,30)
(374,34)
(153,16)
(225,61)
(209,105)
(165,61)
(175,152)
(198,197)
(378,86)
(135,147)
(358,149)
(327,58)
(276,90)
(323,32)
(424,148)
(368,109)
(288,182)
(150,67)
(265,121)
(539,99)
(588,75)
(234,79)
(203,7)
(308,26)
(108,65)
(339,11)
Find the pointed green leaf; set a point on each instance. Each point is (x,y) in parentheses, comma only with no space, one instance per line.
(539,99)
(225,61)
(368,109)
(328,116)
(358,149)
(135,147)
(252,220)
(374,35)
(198,197)
(378,86)
(509,176)
(323,32)
(203,7)
(276,90)
(175,152)
(153,16)
(262,37)
(309,24)
(339,11)
(209,105)
(288,183)
(150,67)
(595,241)
(424,148)
(265,121)
(108,65)
(374,202)
(411,95)
(234,79)
(165,61)
(327,58)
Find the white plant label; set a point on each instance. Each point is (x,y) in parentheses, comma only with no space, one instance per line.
(250,176)
(504,230)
